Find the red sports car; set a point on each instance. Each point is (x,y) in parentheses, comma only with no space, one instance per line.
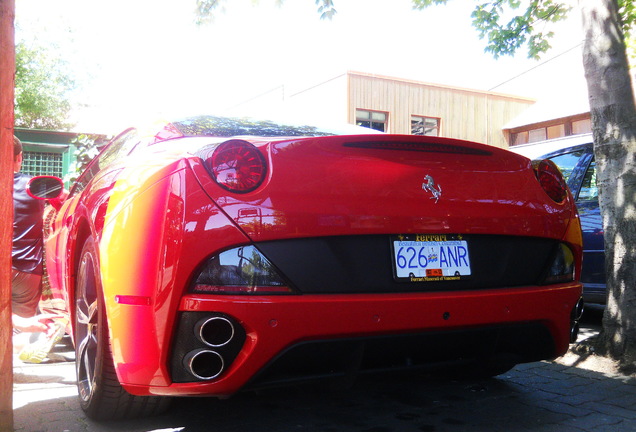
(213,255)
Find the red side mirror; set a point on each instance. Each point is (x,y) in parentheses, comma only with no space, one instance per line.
(47,188)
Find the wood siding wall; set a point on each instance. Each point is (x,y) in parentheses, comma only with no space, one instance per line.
(465,114)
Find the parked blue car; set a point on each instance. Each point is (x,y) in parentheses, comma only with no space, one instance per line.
(575,158)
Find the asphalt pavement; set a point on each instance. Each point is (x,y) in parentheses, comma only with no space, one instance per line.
(566,395)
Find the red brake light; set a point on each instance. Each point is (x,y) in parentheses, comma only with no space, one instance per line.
(237,166)
(551,180)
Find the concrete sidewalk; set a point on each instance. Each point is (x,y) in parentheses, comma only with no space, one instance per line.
(560,396)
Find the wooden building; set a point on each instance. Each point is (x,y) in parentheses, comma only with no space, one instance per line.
(551,119)
(410,107)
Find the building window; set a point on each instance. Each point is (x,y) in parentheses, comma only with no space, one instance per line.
(37,163)
(556,131)
(519,138)
(581,126)
(372,119)
(566,127)
(537,135)
(424,126)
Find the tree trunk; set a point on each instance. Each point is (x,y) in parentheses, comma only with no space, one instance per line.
(614,128)
(7,80)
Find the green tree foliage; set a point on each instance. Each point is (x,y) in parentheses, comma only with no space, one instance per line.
(85,150)
(205,9)
(41,89)
(508,25)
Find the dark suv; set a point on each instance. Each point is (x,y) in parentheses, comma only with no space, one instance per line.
(579,169)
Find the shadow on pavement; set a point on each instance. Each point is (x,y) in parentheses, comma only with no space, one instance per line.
(543,396)
(533,397)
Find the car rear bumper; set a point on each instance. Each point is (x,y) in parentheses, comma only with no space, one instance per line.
(536,320)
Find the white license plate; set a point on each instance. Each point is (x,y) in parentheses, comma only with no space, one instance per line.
(430,258)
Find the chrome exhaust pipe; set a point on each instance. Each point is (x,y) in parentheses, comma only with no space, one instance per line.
(214,332)
(204,364)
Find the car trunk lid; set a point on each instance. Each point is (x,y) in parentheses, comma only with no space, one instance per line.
(392,184)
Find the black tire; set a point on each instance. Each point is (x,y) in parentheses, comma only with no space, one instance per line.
(101,395)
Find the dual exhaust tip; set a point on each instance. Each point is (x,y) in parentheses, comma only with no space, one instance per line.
(208,363)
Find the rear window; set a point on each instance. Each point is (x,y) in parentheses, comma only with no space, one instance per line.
(230,127)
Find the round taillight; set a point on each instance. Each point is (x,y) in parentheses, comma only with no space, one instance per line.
(551,180)
(237,166)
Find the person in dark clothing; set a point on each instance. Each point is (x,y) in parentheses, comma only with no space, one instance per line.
(27,268)
(26,255)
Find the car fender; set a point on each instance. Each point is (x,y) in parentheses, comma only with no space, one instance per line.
(146,261)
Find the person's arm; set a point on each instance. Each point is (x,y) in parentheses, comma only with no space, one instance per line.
(38,323)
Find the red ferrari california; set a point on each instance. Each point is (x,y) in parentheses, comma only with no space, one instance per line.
(213,255)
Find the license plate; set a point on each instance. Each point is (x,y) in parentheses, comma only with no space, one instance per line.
(430,258)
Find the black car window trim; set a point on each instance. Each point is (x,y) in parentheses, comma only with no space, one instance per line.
(107,154)
(590,166)
(578,173)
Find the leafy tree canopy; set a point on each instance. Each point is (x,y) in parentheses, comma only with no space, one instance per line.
(205,9)
(86,150)
(41,89)
(510,24)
